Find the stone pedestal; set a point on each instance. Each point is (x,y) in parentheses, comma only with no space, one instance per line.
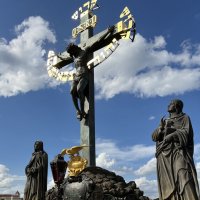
(95,183)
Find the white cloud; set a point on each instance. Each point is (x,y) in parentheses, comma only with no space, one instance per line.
(152,117)
(129,153)
(197,159)
(148,168)
(50,184)
(114,158)
(9,183)
(146,68)
(198,171)
(149,187)
(159,42)
(127,172)
(103,160)
(122,160)
(22,61)
(196,152)
(71,40)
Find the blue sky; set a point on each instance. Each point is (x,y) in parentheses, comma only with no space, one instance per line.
(133,86)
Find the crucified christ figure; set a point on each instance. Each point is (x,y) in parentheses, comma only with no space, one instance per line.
(79,88)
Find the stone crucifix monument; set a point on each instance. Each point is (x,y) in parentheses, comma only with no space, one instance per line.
(82,89)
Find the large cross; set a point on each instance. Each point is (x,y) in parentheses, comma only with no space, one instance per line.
(124,29)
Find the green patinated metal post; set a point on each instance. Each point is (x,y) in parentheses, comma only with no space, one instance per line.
(87,126)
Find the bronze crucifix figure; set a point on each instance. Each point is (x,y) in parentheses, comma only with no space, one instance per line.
(82,89)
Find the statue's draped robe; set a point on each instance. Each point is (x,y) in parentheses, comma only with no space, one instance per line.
(36,184)
(177,177)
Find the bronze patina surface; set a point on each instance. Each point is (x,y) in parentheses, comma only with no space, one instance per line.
(177,177)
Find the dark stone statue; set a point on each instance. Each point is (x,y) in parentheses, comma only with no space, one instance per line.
(79,88)
(177,177)
(36,172)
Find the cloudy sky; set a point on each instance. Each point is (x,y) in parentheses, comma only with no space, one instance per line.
(133,86)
